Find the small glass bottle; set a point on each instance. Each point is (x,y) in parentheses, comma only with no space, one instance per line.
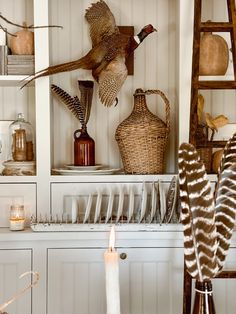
(203,302)
(21,140)
(84,148)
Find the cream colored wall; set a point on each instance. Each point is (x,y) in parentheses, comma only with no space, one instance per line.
(154,68)
(12,99)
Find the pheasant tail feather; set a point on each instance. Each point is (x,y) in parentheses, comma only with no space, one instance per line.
(63,67)
(72,103)
(86,96)
(197,215)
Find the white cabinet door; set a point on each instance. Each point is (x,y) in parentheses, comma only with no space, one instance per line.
(13,263)
(150,281)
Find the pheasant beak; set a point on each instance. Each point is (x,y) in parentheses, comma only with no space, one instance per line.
(154,30)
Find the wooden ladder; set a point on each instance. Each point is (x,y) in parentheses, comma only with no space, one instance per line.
(197,84)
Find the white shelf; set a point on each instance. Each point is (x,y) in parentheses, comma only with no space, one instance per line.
(18,179)
(13,80)
(112,178)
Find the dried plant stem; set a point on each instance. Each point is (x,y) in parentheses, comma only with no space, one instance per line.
(23,26)
(6,31)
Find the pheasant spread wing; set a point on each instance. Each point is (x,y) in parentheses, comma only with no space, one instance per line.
(111,80)
(101,20)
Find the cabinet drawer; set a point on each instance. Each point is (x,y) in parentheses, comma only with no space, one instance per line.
(23,194)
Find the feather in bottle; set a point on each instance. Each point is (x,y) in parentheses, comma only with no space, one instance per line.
(73,103)
(86,96)
(197,215)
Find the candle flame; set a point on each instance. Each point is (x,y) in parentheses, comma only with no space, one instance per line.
(112,239)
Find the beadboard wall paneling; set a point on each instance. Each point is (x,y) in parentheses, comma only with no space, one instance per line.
(12,99)
(154,69)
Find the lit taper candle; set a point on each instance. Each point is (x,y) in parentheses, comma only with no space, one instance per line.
(111,258)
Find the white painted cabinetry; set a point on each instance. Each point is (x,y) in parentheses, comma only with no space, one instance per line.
(149,281)
(13,263)
(71,271)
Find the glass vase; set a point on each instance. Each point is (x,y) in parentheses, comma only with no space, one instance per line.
(203,303)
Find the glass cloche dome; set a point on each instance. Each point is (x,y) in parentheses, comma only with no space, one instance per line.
(21,140)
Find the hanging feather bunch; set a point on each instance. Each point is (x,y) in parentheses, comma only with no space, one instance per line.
(208,220)
(197,215)
(81,108)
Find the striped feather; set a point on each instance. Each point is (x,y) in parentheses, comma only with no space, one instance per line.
(73,103)
(197,215)
(225,200)
(86,96)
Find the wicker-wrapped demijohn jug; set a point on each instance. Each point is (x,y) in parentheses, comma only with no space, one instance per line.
(142,137)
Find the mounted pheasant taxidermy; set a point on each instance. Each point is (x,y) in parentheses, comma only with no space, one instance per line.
(208,220)
(106,59)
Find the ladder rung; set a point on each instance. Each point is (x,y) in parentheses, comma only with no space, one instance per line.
(215,85)
(213,144)
(216,27)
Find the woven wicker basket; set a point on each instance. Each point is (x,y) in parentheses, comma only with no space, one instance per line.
(142,137)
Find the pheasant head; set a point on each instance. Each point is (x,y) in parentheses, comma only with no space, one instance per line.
(146,30)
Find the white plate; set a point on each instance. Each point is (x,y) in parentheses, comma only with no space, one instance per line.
(88,208)
(71,172)
(109,206)
(162,201)
(98,207)
(120,204)
(143,202)
(84,168)
(154,200)
(131,203)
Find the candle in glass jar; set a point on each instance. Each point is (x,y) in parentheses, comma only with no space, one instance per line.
(17,217)
(111,258)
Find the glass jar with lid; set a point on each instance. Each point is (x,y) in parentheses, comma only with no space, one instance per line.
(21,140)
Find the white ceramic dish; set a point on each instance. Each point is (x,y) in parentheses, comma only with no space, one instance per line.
(120,204)
(131,203)
(143,202)
(109,206)
(88,208)
(84,168)
(98,207)
(70,172)
(154,201)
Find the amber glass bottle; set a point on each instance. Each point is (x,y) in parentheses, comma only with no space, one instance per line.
(203,298)
(84,148)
